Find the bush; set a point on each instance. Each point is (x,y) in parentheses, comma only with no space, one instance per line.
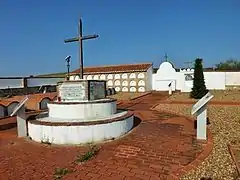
(199,88)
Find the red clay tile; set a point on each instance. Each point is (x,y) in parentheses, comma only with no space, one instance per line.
(115,68)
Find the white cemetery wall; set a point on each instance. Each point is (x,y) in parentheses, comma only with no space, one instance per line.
(31,82)
(187,79)
(149,79)
(180,80)
(215,80)
(11,83)
(232,78)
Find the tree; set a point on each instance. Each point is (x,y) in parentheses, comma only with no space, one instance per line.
(230,64)
(199,88)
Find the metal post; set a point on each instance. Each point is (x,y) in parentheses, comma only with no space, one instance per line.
(81,48)
(68,58)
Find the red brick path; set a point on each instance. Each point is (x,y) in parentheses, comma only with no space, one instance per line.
(154,149)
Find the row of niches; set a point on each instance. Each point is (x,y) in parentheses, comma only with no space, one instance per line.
(110,76)
(125,83)
(131,89)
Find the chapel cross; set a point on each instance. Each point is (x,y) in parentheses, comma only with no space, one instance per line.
(80,39)
(166,57)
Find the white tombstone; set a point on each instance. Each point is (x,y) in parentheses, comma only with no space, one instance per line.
(170,88)
(200,109)
(19,110)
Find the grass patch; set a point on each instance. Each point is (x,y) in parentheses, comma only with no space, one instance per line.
(60,172)
(88,155)
(46,141)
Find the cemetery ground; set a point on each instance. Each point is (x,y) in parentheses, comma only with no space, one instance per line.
(161,146)
(224,125)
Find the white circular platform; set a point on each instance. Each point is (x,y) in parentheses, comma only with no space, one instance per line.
(82,110)
(80,132)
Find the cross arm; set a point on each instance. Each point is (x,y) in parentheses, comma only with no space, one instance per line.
(90,37)
(71,40)
(81,38)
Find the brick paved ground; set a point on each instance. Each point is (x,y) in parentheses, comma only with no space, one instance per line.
(154,149)
(235,153)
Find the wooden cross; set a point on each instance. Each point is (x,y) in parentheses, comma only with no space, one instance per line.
(80,39)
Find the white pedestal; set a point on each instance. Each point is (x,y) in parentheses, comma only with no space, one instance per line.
(202,123)
(21,122)
(200,109)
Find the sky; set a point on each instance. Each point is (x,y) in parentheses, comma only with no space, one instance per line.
(32,33)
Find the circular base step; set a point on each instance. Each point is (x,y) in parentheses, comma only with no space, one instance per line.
(80,132)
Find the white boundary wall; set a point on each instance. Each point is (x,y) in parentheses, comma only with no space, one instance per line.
(182,80)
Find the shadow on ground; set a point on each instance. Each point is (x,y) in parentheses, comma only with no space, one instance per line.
(7,126)
(136,122)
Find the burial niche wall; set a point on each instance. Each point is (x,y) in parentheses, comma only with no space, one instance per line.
(117,89)
(141,83)
(109,76)
(43,103)
(11,107)
(103,77)
(72,78)
(125,76)
(132,76)
(125,83)
(141,89)
(133,83)
(77,77)
(95,77)
(117,76)
(141,76)
(110,83)
(133,89)
(89,77)
(124,89)
(117,83)
(3,111)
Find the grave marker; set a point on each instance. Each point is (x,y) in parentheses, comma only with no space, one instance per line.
(72,91)
(19,110)
(170,88)
(200,109)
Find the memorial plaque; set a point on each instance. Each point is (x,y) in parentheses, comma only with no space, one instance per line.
(204,100)
(73,91)
(97,90)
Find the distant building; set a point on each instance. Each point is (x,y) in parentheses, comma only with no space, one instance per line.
(124,78)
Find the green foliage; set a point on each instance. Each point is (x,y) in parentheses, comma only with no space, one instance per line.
(230,64)
(88,155)
(199,87)
(60,172)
